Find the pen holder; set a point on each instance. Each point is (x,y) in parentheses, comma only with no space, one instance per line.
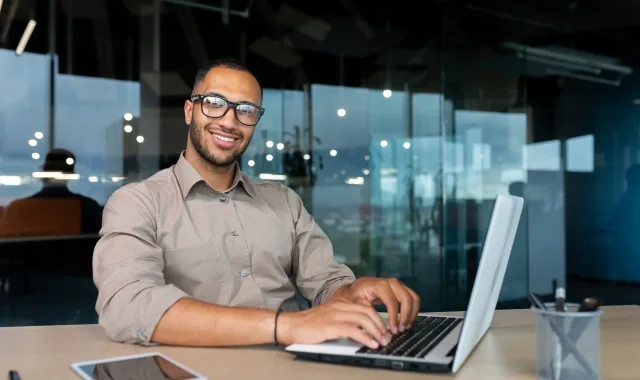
(567,343)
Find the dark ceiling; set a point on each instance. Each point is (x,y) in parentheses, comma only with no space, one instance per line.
(290,43)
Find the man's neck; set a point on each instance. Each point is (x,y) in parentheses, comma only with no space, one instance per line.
(52,184)
(218,177)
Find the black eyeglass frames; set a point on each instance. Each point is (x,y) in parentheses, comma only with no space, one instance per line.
(215,106)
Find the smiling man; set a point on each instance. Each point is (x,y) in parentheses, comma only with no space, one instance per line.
(201,255)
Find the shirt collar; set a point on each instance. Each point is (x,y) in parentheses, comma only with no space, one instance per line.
(188,177)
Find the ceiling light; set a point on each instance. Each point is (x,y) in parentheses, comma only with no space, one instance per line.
(10,180)
(273,177)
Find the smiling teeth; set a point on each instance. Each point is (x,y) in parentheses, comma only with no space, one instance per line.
(227,139)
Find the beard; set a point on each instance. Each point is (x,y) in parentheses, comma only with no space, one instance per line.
(197,140)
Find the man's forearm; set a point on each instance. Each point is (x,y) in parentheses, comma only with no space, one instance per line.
(194,323)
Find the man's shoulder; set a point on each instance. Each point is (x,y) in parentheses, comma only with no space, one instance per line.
(277,194)
(147,189)
(268,188)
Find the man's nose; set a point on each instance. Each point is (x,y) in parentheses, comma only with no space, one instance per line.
(229,118)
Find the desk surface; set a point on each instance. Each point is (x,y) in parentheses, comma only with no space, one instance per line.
(507,351)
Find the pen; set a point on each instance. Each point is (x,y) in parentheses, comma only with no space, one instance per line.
(559,356)
(560,297)
(13,375)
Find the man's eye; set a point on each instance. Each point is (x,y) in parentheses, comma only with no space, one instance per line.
(213,101)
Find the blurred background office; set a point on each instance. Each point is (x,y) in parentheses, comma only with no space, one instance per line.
(398,123)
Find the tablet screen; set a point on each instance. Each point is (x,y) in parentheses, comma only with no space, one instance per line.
(135,368)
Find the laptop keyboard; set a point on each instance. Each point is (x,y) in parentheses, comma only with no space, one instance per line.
(419,340)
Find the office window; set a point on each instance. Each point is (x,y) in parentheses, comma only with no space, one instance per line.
(580,154)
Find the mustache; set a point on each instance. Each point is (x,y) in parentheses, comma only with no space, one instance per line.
(212,129)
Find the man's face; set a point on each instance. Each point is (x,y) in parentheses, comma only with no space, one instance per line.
(221,141)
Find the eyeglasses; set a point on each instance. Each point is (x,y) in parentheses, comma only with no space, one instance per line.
(215,106)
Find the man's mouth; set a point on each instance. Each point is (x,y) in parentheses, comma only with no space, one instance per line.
(223,141)
(223,138)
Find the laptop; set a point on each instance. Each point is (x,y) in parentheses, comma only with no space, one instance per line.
(438,343)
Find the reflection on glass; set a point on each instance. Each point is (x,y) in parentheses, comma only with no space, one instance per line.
(580,154)
(543,156)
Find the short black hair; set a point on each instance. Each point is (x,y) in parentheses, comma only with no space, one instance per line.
(56,161)
(229,63)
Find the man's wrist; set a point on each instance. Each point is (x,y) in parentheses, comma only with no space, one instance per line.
(283,328)
(343,293)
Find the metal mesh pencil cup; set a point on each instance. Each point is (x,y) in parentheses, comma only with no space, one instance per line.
(567,343)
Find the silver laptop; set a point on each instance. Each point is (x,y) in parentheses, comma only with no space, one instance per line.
(438,343)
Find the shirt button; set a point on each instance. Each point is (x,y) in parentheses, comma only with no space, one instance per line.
(223,199)
(244,272)
(234,233)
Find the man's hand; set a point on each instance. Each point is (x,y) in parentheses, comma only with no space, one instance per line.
(333,320)
(396,296)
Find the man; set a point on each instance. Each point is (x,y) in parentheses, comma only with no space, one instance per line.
(38,213)
(200,255)
(63,161)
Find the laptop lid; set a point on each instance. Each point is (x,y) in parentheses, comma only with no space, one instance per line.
(501,233)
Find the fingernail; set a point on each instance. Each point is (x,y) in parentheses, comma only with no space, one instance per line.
(401,328)
(374,344)
(394,330)
(388,337)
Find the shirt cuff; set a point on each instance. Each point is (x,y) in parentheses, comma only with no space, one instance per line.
(331,288)
(161,301)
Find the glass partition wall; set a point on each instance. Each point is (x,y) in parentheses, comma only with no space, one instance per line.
(397,128)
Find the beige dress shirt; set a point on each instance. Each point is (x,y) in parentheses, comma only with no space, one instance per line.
(173,236)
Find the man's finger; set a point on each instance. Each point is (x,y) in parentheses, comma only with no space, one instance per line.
(416,305)
(385,294)
(365,322)
(346,330)
(366,308)
(406,303)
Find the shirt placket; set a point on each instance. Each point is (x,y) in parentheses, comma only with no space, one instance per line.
(239,253)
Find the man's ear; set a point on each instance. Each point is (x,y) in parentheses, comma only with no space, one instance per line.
(188,111)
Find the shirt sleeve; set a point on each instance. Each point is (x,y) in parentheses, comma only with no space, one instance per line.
(314,268)
(128,268)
